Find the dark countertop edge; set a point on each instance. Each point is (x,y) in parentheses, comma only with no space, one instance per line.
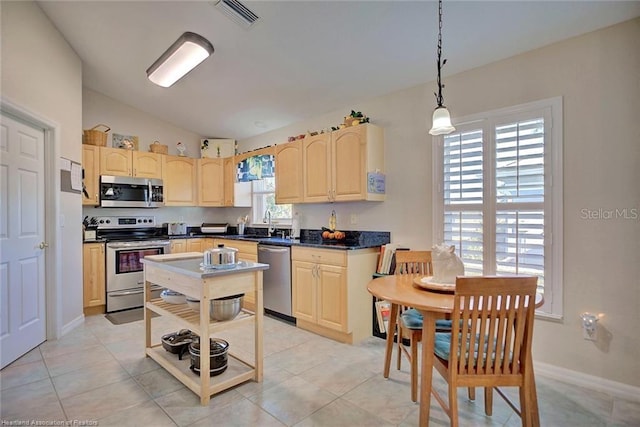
(275,241)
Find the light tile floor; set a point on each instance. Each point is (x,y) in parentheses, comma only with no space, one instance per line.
(98,373)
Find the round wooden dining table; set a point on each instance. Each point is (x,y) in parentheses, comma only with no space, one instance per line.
(400,290)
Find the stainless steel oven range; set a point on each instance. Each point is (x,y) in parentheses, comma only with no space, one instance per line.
(129,239)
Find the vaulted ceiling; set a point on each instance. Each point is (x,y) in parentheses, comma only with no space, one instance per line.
(303,58)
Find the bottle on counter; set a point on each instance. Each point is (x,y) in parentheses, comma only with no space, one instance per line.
(332,220)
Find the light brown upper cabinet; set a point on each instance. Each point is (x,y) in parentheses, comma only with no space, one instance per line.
(316,161)
(120,162)
(179,176)
(344,165)
(91,167)
(210,182)
(355,153)
(289,172)
(229,166)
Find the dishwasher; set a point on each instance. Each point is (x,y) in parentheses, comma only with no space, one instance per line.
(276,281)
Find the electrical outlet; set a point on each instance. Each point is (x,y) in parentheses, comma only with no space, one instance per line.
(354,219)
(590,335)
(589,326)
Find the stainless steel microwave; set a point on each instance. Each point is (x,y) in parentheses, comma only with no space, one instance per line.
(130,192)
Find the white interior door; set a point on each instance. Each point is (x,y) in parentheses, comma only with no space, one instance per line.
(22,233)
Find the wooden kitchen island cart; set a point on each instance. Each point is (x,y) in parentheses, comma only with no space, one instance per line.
(183,273)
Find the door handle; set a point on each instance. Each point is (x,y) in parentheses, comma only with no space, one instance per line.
(43,245)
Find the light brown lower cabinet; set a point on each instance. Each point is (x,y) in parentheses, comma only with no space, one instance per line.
(247,251)
(178,246)
(93,278)
(330,294)
(198,244)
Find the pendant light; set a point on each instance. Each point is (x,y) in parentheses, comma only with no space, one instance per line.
(183,56)
(441,117)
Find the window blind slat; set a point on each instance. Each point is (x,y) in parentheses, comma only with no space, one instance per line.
(519,241)
(464,231)
(520,162)
(463,168)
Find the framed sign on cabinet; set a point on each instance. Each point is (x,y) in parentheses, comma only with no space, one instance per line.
(212,147)
(128,142)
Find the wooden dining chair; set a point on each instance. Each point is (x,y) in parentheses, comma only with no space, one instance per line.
(409,324)
(491,344)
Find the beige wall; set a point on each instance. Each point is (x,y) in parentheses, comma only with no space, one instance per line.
(126,120)
(42,74)
(597,76)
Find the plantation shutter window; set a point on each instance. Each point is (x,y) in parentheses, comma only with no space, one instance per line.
(520,193)
(496,199)
(463,196)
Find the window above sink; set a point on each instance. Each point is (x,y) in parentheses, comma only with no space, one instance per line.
(258,170)
(263,194)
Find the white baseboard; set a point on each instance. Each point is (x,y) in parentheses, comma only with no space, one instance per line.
(614,388)
(73,324)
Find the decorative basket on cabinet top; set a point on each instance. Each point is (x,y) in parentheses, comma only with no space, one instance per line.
(94,136)
(156,147)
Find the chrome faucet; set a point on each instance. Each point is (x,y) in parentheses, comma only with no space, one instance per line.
(267,219)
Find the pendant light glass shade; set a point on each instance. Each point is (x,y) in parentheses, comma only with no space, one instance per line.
(183,56)
(441,122)
(441,118)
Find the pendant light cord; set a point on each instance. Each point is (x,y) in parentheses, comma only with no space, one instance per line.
(439,98)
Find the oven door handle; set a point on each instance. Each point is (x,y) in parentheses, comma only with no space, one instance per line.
(136,292)
(126,293)
(149,244)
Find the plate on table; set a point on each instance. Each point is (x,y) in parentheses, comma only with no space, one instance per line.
(427,282)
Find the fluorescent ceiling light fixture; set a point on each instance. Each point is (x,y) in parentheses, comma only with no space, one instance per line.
(183,56)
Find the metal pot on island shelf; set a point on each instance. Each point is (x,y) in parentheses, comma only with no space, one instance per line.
(218,349)
(220,309)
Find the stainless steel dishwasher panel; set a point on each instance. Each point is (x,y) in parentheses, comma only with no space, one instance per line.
(276,281)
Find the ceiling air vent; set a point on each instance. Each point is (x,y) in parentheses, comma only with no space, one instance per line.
(237,12)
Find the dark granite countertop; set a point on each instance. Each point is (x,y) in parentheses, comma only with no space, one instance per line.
(313,238)
(310,238)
